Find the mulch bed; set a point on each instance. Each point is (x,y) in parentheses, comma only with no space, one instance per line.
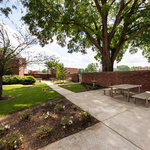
(28,127)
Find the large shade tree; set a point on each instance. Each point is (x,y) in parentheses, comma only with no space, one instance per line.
(108,27)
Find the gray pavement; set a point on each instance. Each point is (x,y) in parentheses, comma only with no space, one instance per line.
(123,125)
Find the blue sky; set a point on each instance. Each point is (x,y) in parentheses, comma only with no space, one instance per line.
(76,60)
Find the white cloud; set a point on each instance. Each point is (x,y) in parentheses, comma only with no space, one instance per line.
(76,60)
(133,60)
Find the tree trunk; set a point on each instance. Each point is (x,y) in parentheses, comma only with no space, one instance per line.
(0,86)
(107,65)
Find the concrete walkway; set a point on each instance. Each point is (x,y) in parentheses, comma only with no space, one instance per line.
(123,125)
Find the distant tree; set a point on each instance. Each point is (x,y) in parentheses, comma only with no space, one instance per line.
(80,71)
(133,68)
(52,65)
(61,72)
(122,68)
(44,71)
(93,67)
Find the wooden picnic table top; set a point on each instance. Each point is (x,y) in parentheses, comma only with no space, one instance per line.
(125,86)
(145,95)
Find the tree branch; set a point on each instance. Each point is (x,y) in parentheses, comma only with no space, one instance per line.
(97,35)
(137,33)
(112,2)
(118,17)
(98,8)
(94,42)
(123,34)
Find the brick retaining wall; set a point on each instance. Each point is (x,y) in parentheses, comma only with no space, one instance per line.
(106,79)
(75,77)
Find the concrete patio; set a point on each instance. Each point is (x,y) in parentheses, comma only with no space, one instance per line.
(123,125)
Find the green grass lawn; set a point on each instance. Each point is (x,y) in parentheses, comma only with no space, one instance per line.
(25,97)
(39,83)
(74,87)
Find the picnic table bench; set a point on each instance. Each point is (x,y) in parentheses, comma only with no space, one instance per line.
(144,96)
(109,90)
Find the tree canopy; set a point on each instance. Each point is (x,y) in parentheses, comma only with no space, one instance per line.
(93,67)
(56,68)
(123,68)
(52,64)
(108,27)
(61,72)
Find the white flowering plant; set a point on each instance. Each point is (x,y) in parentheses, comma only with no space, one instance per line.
(84,115)
(11,141)
(66,121)
(46,115)
(58,108)
(4,128)
(75,107)
(49,114)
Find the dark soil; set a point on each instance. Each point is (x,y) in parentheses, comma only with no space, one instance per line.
(6,98)
(28,127)
(92,86)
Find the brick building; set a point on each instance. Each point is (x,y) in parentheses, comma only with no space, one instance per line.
(71,70)
(18,67)
(141,68)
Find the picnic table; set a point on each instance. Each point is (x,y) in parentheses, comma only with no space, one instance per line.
(125,87)
(144,96)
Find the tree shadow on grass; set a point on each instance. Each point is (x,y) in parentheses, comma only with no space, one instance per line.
(25,97)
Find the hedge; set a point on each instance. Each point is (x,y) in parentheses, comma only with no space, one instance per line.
(28,80)
(15,79)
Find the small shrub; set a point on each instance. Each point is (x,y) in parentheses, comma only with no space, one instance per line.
(89,86)
(11,141)
(84,115)
(75,107)
(25,115)
(27,80)
(58,108)
(66,121)
(43,130)
(3,129)
(53,115)
(48,114)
